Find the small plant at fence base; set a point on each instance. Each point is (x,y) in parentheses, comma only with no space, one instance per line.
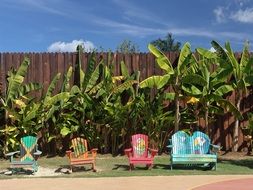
(248,132)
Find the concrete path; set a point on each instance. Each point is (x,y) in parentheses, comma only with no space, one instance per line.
(236,184)
(121,183)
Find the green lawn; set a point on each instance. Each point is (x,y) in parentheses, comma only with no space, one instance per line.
(109,166)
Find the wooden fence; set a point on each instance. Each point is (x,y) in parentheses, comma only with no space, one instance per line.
(44,66)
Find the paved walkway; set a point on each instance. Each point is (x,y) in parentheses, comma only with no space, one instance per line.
(126,183)
(236,184)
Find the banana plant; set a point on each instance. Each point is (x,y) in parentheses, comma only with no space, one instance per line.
(173,76)
(69,111)
(209,88)
(153,117)
(49,111)
(242,76)
(16,116)
(79,107)
(116,94)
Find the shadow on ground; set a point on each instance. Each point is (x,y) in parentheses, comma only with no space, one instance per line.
(243,162)
(163,167)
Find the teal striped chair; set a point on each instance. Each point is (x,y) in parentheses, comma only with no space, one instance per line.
(29,155)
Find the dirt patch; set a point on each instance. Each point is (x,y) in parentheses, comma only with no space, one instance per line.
(46,172)
(42,172)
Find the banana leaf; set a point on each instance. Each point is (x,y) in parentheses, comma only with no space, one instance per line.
(15,79)
(155,81)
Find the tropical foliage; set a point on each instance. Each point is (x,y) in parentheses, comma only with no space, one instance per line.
(241,76)
(107,108)
(127,46)
(19,109)
(167,44)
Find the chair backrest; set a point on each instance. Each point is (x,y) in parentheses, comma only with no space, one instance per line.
(27,147)
(198,143)
(140,145)
(179,141)
(80,146)
(201,143)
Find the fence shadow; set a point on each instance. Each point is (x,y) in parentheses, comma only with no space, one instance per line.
(243,162)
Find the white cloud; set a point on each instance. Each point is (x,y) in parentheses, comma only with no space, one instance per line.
(192,32)
(140,31)
(234,10)
(245,16)
(242,2)
(220,14)
(70,46)
(133,12)
(48,6)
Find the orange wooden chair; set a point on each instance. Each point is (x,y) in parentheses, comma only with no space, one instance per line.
(140,153)
(81,156)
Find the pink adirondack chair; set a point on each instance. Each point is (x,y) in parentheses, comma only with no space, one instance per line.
(140,153)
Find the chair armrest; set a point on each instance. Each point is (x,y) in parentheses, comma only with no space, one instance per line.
(153,152)
(11,154)
(94,152)
(215,148)
(37,154)
(170,147)
(69,152)
(128,152)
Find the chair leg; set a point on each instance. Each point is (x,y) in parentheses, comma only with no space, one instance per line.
(94,167)
(131,166)
(12,171)
(35,167)
(149,166)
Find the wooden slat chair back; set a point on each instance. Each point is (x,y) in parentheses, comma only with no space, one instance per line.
(80,155)
(27,148)
(140,153)
(140,145)
(79,146)
(198,143)
(179,141)
(201,143)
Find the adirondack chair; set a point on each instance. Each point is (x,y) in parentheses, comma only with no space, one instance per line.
(29,155)
(140,153)
(81,156)
(191,150)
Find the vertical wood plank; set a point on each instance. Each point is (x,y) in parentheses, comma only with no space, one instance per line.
(46,74)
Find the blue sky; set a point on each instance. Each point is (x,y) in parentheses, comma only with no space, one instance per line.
(59,25)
